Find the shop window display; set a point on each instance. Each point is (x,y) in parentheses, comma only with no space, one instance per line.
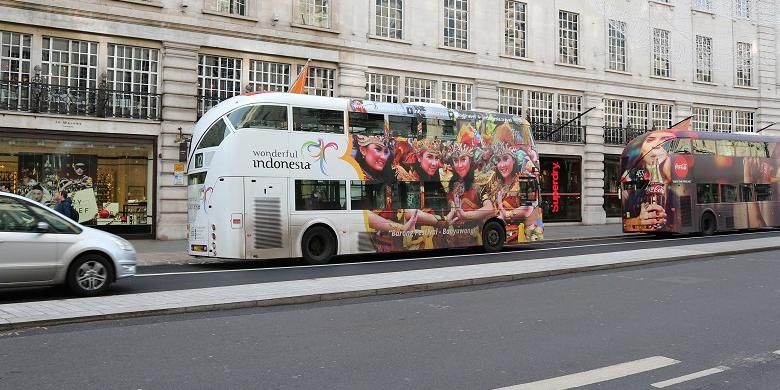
(561,184)
(109,182)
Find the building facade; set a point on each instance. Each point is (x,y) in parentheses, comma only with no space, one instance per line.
(99,97)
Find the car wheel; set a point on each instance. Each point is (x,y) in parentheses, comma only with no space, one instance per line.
(318,245)
(493,236)
(708,224)
(89,275)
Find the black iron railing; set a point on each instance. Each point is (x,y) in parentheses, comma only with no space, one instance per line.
(621,135)
(546,132)
(37,97)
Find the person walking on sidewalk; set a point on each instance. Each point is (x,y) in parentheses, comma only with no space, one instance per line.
(64,205)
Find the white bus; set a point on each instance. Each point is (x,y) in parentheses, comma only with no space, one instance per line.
(277,175)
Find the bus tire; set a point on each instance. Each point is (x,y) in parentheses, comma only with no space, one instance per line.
(708,224)
(493,236)
(318,245)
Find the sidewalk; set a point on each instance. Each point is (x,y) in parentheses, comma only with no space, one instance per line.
(21,315)
(156,252)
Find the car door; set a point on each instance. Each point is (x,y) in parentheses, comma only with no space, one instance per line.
(26,255)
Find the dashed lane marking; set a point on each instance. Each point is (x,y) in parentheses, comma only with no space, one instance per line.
(689,377)
(597,375)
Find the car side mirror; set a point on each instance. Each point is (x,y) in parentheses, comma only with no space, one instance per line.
(42,227)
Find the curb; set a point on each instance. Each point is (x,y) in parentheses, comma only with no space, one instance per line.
(411,288)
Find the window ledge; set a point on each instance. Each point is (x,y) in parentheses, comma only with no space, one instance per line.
(526,59)
(315,28)
(148,3)
(703,11)
(570,65)
(663,78)
(457,49)
(746,87)
(706,83)
(618,72)
(661,3)
(386,39)
(229,15)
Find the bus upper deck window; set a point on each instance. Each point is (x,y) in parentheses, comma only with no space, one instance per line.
(366,124)
(678,145)
(704,146)
(404,126)
(214,135)
(318,120)
(259,117)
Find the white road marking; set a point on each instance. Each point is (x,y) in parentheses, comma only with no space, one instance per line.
(685,378)
(776,352)
(598,375)
(426,258)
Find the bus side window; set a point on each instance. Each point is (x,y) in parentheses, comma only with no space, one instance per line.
(703,146)
(747,192)
(259,117)
(440,128)
(403,126)
(742,149)
(707,193)
(728,192)
(318,120)
(679,145)
(320,195)
(764,192)
(725,147)
(214,135)
(367,195)
(366,124)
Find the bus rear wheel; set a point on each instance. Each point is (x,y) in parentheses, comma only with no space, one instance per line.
(318,245)
(493,236)
(708,224)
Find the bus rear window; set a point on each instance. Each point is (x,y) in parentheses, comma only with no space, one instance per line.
(196,178)
(318,120)
(259,117)
(214,135)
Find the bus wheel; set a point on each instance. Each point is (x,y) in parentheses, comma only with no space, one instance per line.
(493,236)
(708,224)
(318,245)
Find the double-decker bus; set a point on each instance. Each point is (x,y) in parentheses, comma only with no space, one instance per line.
(682,181)
(275,175)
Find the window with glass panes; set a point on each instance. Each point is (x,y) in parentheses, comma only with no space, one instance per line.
(235,7)
(662,116)
(613,113)
(743,8)
(636,115)
(743,121)
(617,45)
(456,96)
(219,78)
(703,5)
(510,101)
(701,119)
(456,23)
(132,76)
(320,81)
(390,18)
(703,58)
(14,67)
(744,66)
(314,13)
(515,28)
(269,76)
(540,107)
(382,87)
(661,65)
(569,106)
(568,37)
(721,120)
(69,62)
(420,90)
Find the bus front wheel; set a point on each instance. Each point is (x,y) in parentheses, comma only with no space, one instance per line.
(708,224)
(493,236)
(318,245)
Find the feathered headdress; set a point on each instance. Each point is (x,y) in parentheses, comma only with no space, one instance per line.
(365,140)
(432,145)
(456,150)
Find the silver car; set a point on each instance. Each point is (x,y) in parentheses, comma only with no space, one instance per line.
(39,246)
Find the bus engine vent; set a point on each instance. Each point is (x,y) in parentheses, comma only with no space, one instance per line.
(267,223)
(365,243)
(685,211)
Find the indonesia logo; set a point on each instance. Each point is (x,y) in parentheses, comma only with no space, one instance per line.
(681,166)
(317,151)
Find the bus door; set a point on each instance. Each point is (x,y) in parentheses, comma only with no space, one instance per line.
(266,224)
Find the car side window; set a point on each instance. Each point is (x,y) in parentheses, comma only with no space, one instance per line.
(57,223)
(14,217)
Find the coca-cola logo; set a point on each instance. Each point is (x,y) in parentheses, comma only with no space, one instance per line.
(681,166)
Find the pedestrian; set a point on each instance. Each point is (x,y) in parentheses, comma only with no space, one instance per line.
(64,205)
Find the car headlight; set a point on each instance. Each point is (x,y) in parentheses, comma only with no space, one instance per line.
(123,244)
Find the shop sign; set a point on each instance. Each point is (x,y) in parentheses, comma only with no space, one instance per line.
(556,196)
(178,174)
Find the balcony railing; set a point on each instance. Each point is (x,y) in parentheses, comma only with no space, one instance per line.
(35,97)
(621,135)
(545,132)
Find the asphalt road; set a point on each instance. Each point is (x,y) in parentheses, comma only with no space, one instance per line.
(641,326)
